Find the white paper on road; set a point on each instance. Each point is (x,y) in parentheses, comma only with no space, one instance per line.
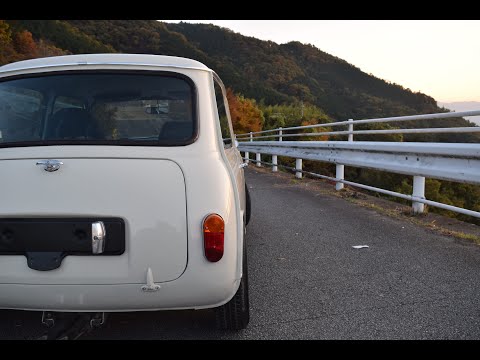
(360,246)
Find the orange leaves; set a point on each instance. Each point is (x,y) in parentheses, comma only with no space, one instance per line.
(24,45)
(246,116)
(15,46)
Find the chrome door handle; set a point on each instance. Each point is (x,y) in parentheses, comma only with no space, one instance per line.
(50,165)
(98,237)
(244,165)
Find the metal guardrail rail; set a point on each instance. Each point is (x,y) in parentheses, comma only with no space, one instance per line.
(459,162)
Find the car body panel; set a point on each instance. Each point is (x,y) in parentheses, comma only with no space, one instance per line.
(155,216)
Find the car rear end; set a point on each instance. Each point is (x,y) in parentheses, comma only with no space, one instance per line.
(109,168)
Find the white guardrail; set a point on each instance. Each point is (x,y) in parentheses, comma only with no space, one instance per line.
(458,162)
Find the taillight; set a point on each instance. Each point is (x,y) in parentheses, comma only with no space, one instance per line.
(213,237)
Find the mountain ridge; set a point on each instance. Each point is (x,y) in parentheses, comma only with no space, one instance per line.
(268,72)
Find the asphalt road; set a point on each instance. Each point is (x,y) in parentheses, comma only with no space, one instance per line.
(307,282)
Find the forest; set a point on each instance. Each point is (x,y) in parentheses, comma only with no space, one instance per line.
(269,85)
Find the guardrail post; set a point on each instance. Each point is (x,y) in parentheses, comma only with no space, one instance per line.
(274,157)
(340,169)
(350,128)
(339,174)
(419,192)
(274,163)
(298,166)
(257,156)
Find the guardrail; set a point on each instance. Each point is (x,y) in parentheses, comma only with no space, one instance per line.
(458,162)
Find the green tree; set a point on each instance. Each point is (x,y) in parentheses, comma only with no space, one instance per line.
(6,48)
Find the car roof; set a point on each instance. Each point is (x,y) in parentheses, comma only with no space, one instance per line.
(106,59)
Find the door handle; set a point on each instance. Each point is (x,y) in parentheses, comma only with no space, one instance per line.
(98,237)
(50,165)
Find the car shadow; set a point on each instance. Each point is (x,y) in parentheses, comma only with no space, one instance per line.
(148,325)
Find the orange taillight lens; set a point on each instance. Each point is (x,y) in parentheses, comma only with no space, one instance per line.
(213,237)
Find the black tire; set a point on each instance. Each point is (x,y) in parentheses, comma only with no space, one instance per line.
(248,206)
(235,314)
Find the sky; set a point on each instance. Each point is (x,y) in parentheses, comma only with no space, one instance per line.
(440,58)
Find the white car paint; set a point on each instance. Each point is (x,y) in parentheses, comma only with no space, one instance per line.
(162,193)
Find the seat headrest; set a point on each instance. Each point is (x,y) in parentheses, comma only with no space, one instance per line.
(176,131)
(73,123)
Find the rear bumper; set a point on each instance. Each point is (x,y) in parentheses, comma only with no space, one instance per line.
(113,298)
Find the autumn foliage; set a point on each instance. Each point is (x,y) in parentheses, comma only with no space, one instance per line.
(245,114)
(20,45)
(25,45)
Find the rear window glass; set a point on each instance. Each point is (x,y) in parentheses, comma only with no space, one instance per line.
(105,108)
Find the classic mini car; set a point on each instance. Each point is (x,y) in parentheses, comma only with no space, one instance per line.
(121,189)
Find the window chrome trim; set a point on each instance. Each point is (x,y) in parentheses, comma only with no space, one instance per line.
(220,83)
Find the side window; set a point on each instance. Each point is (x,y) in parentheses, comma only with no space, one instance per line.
(222,115)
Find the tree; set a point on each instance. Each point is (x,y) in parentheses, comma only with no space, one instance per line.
(45,48)
(6,48)
(24,45)
(246,116)
(293,114)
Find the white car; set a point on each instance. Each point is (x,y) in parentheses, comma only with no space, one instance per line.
(121,188)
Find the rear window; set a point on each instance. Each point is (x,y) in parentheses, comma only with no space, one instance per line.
(98,108)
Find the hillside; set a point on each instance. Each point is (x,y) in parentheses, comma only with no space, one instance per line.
(265,70)
(304,72)
(258,69)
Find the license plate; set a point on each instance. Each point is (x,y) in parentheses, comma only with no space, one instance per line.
(45,242)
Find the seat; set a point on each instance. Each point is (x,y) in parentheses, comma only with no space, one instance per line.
(73,123)
(176,131)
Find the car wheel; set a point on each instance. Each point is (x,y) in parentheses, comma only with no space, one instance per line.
(248,206)
(235,314)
